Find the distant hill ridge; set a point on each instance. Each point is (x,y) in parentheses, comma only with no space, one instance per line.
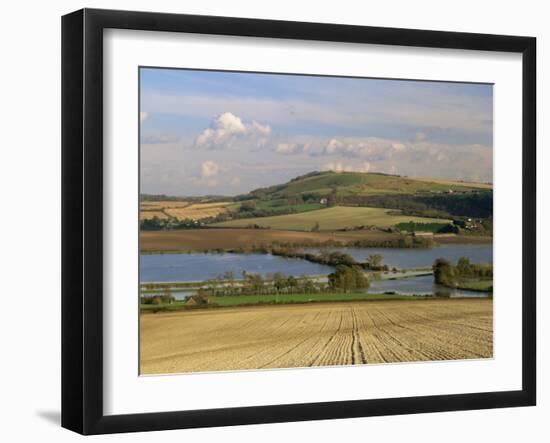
(322,183)
(317,184)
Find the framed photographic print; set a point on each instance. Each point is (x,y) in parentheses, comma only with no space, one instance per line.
(269,221)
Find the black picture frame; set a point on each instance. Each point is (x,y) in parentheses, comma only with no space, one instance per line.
(82,218)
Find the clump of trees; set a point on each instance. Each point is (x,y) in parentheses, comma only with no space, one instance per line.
(157,299)
(334,258)
(437,228)
(447,274)
(347,278)
(248,206)
(200,298)
(402,241)
(333,199)
(474,270)
(255,284)
(476,203)
(375,262)
(158,224)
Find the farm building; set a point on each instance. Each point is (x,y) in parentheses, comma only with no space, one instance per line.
(423,234)
(445,235)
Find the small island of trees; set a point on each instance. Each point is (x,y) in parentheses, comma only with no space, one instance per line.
(464,275)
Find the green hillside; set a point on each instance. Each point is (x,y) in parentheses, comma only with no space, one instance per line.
(338,217)
(355,183)
(347,200)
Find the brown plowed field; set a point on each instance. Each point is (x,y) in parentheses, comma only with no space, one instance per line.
(321,334)
(203,239)
(186,240)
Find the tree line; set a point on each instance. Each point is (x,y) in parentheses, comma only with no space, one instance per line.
(473,203)
(343,279)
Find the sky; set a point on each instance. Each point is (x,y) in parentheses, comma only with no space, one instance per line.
(227,133)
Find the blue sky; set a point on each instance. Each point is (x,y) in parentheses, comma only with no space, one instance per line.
(211,132)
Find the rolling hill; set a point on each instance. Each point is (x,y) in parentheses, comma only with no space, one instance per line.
(362,184)
(333,201)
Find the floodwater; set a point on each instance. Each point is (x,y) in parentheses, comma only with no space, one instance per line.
(204,266)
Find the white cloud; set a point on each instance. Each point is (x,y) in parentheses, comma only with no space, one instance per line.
(209,169)
(420,137)
(249,154)
(247,142)
(414,158)
(334,146)
(352,108)
(260,129)
(288,148)
(273,110)
(227,128)
(342,167)
(364,147)
(154,138)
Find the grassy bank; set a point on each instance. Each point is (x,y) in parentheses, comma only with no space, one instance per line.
(477,285)
(279,299)
(238,300)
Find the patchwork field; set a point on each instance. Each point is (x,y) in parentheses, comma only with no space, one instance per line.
(181,210)
(453,183)
(338,217)
(323,334)
(149,214)
(198,211)
(161,204)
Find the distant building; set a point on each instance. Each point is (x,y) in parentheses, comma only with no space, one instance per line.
(445,235)
(423,234)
